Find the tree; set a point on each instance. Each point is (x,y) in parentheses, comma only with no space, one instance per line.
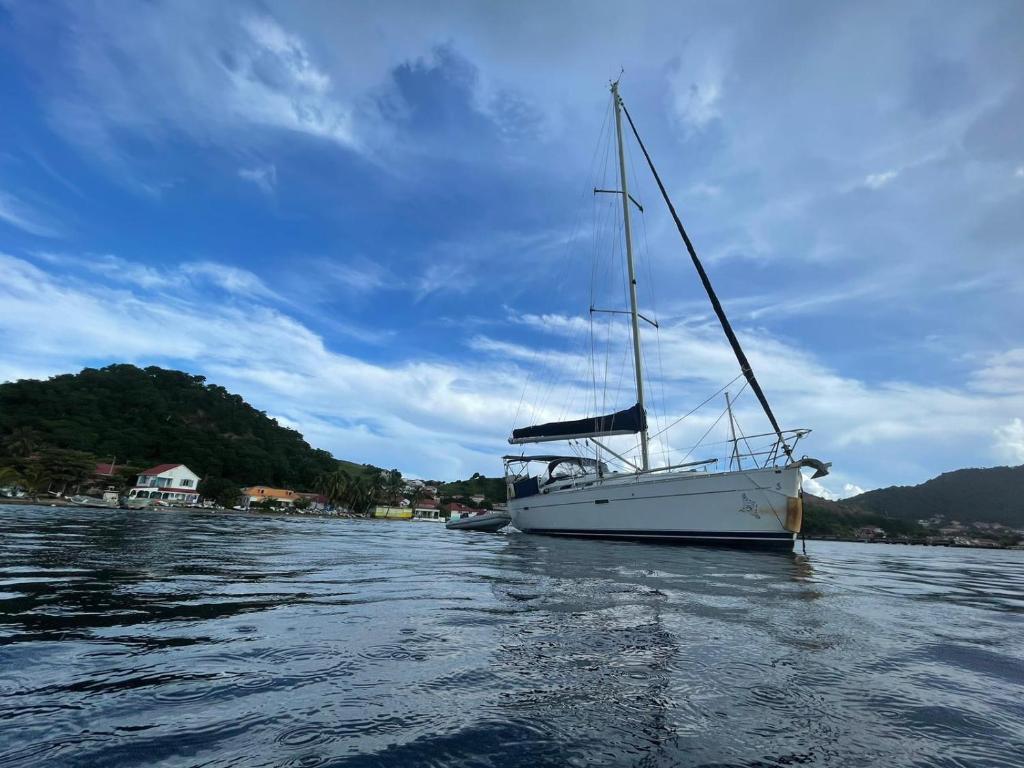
(63,468)
(418,494)
(362,492)
(10,477)
(34,480)
(223,492)
(125,476)
(302,503)
(21,441)
(335,486)
(150,416)
(392,485)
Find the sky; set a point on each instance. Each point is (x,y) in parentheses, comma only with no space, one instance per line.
(376,221)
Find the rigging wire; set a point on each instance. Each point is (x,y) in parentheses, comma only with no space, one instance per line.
(658,407)
(534,374)
(545,384)
(697,408)
(740,429)
(572,392)
(715,424)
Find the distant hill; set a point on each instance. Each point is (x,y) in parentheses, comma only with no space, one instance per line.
(153,415)
(840,518)
(994,495)
(493,488)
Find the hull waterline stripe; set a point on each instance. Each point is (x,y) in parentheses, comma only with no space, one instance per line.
(780,536)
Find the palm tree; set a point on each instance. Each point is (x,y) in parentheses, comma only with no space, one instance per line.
(35,480)
(366,490)
(335,486)
(393,485)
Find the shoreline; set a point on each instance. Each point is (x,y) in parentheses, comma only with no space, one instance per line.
(58,502)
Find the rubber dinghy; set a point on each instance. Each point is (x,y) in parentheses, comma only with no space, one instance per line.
(481,521)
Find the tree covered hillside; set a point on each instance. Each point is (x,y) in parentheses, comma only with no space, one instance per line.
(969,495)
(493,488)
(153,415)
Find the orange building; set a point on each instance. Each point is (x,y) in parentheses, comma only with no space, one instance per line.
(280,496)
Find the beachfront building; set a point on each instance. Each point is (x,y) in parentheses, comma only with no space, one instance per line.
(167,482)
(280,497)
(392,512)
(428,509)
(457,508)
(103,478)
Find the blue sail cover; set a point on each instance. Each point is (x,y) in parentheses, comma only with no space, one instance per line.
(627,422)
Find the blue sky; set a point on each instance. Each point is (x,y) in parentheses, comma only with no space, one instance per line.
(374,221)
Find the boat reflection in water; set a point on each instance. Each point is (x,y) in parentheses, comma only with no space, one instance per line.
(669,650)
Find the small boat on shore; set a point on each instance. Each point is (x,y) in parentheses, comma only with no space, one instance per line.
(109,500)
(489,521)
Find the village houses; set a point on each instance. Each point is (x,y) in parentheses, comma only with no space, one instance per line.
(167,482)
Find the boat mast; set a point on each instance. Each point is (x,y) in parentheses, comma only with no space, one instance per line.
(634,314)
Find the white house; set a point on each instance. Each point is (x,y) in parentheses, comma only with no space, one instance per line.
(167,482)
(429,509)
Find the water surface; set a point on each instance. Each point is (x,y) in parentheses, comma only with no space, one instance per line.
(175,638)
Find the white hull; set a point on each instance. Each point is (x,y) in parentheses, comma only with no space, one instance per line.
(759,506)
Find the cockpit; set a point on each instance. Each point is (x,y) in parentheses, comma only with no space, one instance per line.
(559,472)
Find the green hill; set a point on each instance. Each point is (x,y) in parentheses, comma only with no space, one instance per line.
(153,415)
(493,488)
(994,495)
(840,518)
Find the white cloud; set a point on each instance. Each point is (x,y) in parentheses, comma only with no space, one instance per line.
(1009,444)
(449,418)
(866,429)
(696,98)
(702,189)
(119,271)
(1001,374)
(130,82)
(361,275)
(19,214)
(213,78)
(879,180)
(263,176)
(115,268)
(275,83)
(1019,173)
(427,417)
(822,488)
(814,487)
(450,277)
(231,279)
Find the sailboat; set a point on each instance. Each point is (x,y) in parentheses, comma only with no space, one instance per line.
(759,504)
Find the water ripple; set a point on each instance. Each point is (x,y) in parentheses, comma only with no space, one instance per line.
(173,638)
